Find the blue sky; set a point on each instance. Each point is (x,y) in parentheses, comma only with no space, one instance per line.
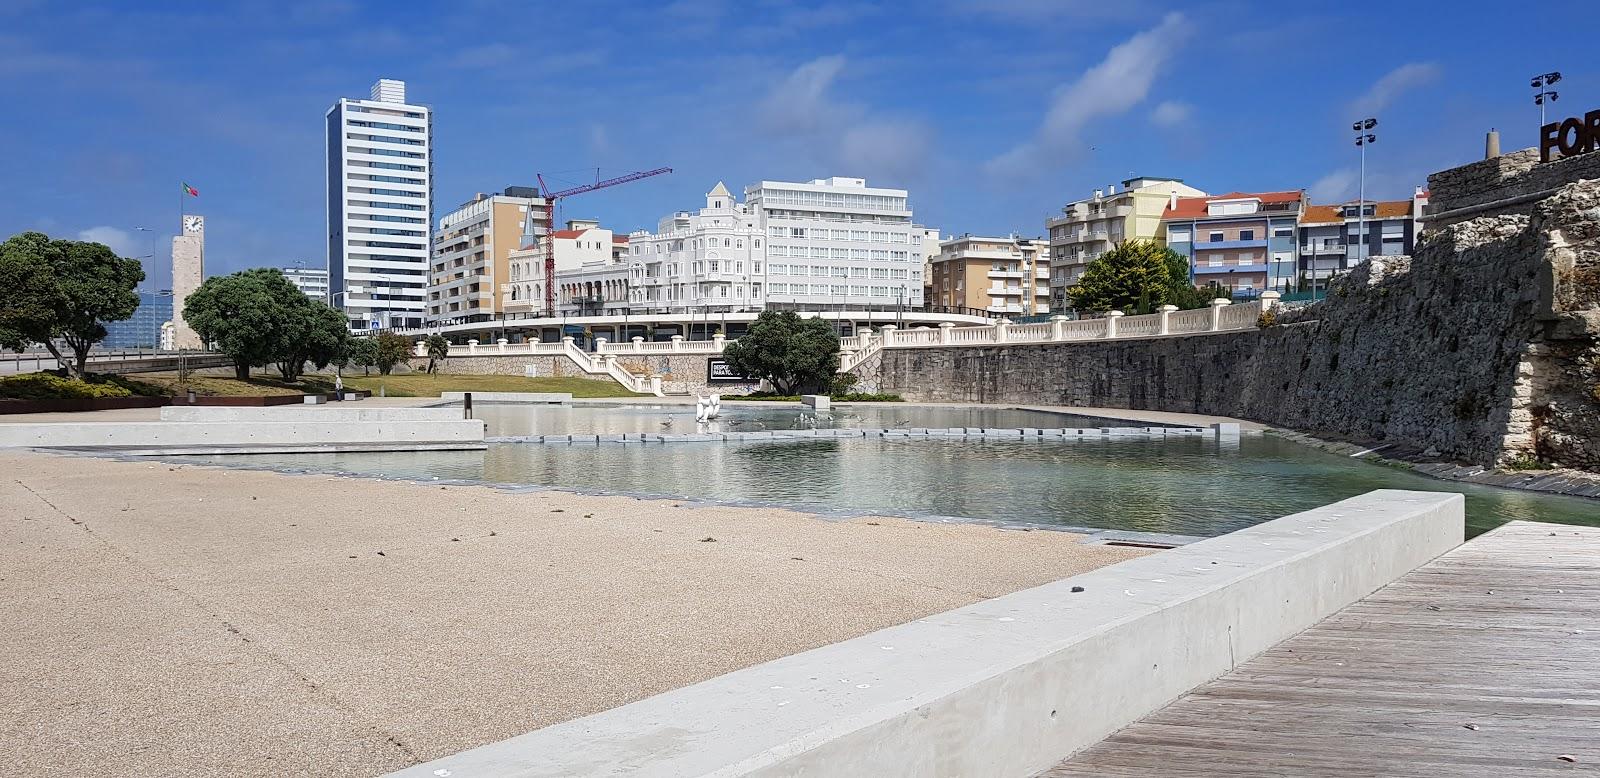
(992,112)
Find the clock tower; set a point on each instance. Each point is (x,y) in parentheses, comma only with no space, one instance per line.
(188,270)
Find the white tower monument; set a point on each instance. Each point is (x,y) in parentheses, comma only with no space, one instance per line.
(188,270)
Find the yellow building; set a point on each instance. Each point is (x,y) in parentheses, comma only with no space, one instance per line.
(1090,227)
(471,252)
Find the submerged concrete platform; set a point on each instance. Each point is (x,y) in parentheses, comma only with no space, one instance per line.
(1484,663)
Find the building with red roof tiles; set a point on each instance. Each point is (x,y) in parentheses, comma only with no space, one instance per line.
(1242,241)
(1335,238)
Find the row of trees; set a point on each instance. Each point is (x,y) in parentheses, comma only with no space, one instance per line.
(63,290)
(259,318)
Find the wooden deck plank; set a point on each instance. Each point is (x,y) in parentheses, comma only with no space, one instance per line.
(1484,662)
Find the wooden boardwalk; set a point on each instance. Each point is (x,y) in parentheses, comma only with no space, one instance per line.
(1484,662)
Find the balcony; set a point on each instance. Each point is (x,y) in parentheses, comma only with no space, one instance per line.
(1325,248)
(1017,274)
(1258,243)
(1200,270)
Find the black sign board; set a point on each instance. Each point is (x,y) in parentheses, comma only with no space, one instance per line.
(1570,136)
(719,372)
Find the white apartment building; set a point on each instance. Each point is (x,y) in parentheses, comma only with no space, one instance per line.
(380,207)
(711,257)
(829,244)
(312,281)
(835,242)
(472,253)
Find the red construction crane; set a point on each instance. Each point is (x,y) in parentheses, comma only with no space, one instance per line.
(550,199)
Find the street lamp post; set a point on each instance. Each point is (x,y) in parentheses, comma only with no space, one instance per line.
(1364,138)
(1542,94)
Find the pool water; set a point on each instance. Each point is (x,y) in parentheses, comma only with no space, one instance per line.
(1188,486)
(656,418)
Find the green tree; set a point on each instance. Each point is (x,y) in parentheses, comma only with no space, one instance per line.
(362,353)
(438,349)
(314,333)
(252,316)
(390,350)
(1136,277)
(791,353)
(64,289)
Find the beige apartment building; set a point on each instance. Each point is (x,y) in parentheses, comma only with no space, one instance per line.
(1090,227)
(1001,275)
(470,260)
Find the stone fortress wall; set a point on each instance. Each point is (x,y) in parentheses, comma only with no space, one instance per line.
(1481,348)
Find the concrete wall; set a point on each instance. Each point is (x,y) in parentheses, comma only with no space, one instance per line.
(680,373)
(234,433)
(1008,686)
(283,413)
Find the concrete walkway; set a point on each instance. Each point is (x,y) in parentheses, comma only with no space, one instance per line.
(178,620)
(1479,664)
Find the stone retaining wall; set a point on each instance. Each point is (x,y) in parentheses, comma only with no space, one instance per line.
(1482,348)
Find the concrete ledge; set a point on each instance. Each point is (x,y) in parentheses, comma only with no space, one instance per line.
(1009,686)
(189,413)
(161,434)
(903,432)
(509,397)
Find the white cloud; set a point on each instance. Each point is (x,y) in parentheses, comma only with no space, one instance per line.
(1110,88)
(1335,187)
(599,140)
(487,55)
(850,138)
(1172,114)
(119,240)
(1396,82)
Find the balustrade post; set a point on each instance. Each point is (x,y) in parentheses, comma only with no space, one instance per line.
(717,342)
(1165,314)
(946,331)
(1002,329)
(1217,305)
(501,344)
(1111,322)
(600,345)
(655,384)
(864,337)
(677,342)
(1269,301)
(638,343)
(472,346)
(422,348)
(1058,327)
(888,335)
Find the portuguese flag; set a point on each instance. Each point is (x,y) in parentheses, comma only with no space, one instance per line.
(190,191)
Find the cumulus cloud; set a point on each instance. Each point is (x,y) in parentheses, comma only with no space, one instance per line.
(1172,114)
(852,138)
(1396,82)
(119,240)
(1335,187)
(1111,88)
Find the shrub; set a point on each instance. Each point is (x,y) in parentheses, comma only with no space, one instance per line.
(1267,319)
(48,386)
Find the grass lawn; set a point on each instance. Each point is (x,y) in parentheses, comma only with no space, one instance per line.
(398,385)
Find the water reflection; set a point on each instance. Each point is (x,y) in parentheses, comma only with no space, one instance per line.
(1191,486)
(650,418)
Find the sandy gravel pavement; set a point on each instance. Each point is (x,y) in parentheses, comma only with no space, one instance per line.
(180,620)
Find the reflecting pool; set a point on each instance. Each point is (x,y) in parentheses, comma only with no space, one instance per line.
(507,420)
(1189,486)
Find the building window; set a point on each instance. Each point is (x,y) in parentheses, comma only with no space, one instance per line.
(1216,236)
(1247,234)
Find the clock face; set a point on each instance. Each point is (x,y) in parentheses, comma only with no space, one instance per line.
(192,223)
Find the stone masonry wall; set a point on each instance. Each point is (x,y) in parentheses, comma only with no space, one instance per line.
(1509,175)
(1481,348)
